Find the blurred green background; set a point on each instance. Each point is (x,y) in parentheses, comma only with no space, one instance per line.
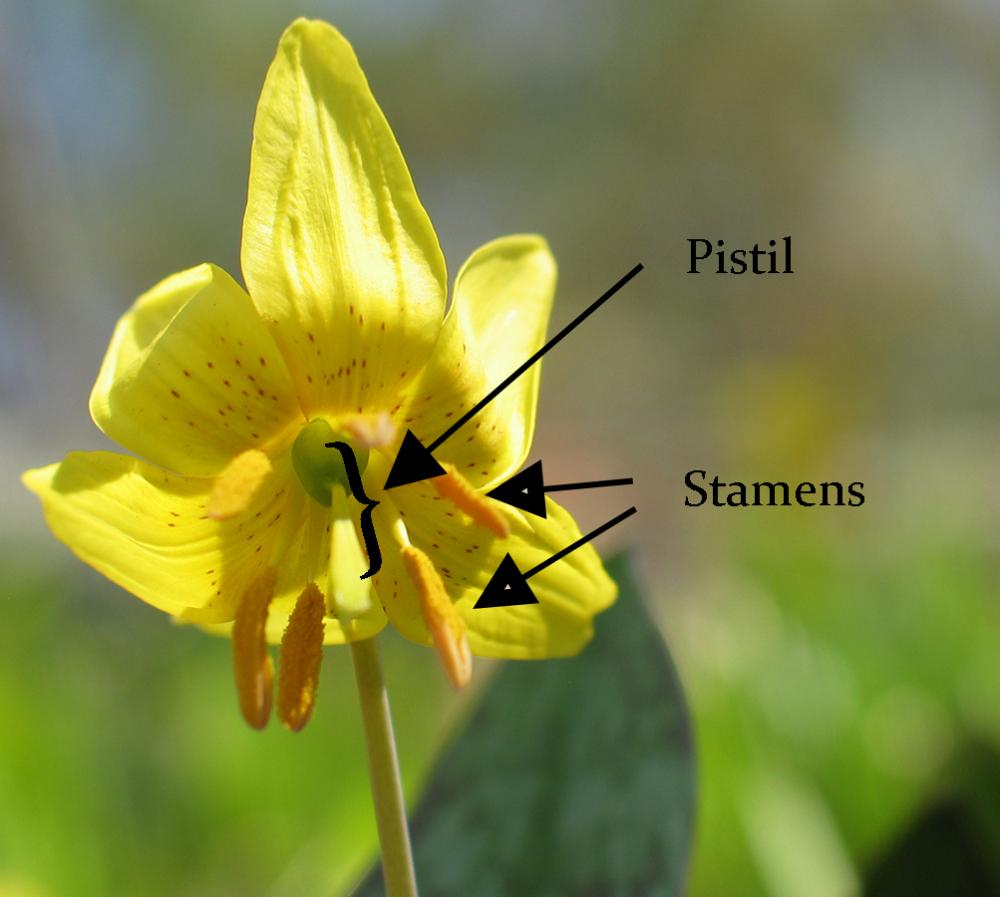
(841,664)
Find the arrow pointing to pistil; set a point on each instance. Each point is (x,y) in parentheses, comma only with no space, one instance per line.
(415,461)
(509,586)
(526,490)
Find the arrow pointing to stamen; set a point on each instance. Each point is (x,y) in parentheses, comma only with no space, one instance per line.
(415,461)
(509,586)
(526,490)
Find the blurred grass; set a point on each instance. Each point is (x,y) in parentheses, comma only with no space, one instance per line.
(843,673)
(125,767)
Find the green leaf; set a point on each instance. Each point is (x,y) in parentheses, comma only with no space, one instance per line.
(573,777)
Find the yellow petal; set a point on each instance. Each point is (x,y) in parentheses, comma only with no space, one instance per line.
(337,250)
(235,488)
(503,297)
(301,657)
(192,377)
(148,530)
(570,592)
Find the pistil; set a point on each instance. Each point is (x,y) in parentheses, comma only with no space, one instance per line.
(320,468)
(350,596)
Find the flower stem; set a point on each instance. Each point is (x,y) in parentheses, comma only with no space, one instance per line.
(383,769)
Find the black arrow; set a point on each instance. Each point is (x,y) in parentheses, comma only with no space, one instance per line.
(509,586)
(413,463)
(414,460)
(526,490)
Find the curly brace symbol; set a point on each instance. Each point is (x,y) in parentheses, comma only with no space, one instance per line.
(358,491)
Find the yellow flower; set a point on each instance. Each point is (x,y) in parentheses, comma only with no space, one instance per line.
(237,518)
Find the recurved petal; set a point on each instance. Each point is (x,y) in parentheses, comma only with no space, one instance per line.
(338,252)
(148,531)
(502,301)
(570,592)
(192,378)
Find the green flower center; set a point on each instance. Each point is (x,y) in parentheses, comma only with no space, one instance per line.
(321,469)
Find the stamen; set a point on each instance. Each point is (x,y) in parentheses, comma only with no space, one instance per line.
(252,663)
(372,430)
(301,655)
(458,490)
(237,484)
(446,626)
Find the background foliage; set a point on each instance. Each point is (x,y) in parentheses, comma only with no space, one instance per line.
(840,664)
(576,777)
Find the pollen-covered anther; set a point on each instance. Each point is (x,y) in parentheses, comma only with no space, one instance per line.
(447,628)
(372,430)
(301,656)
(458,490)
(252,663)
(237,484)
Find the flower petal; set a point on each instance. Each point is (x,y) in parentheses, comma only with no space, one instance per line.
(148,531)
(337,250)
(570,592)
(192,378)
(503,298)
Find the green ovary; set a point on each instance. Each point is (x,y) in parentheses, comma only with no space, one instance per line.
(320,468)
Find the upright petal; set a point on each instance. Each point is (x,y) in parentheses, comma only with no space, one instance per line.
(192,378)
(503,298)
(148,531)
(338,252)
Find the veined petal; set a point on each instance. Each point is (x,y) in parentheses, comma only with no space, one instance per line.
(148,531)
(570,592)
(192,378)
(503,298)
(338,252)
